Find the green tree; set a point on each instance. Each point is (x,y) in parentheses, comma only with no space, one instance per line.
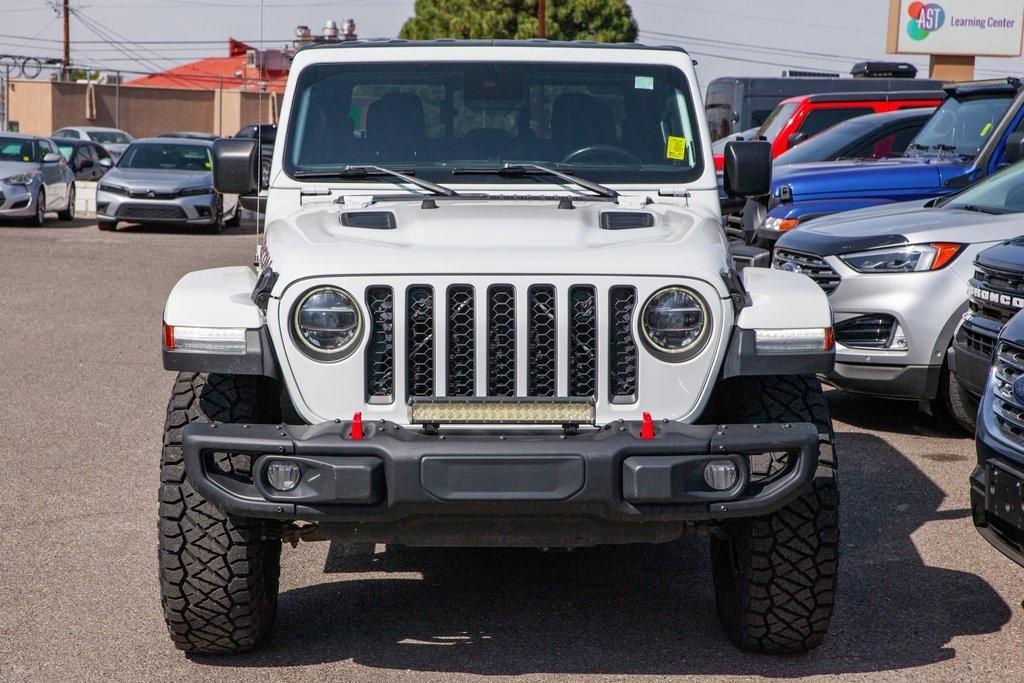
(607,21)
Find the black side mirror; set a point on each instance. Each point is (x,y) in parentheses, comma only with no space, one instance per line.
(1015,147)
(795,139)
(236,165)
(748,168)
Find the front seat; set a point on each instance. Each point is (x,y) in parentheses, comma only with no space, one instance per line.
(396,127)
(578,120)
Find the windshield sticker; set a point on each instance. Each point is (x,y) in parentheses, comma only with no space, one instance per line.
(675,148)
(643,83)
(986,129)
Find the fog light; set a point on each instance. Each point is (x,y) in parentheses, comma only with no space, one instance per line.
(284,476)
(721,475)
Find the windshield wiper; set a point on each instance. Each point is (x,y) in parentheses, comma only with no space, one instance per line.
(377,171)
(512,169)
(978,208)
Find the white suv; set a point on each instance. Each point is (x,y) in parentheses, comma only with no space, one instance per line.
(495,306)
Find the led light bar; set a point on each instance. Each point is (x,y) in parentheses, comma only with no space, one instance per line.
(229,341)
(501,411)
(793,341)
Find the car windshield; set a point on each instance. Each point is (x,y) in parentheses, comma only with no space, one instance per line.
(961,125)
(167,156)
(776,121)
(1001,192)
(17,149)
(825,145)
(110,137)
(604,122)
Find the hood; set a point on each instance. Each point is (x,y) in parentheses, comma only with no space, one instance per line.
(157,180)
(853,178)
(9,168)
(496,237)
(1006,256)
(903,223)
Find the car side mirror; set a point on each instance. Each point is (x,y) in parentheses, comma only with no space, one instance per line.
(748,168)
(1015,147)
(52,158)
(236,167)
(107,163)
(795,139)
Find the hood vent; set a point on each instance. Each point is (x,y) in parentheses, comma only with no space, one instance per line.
(626,220)
(371,220)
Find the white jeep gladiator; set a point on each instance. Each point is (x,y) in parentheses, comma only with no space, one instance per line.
(494,306)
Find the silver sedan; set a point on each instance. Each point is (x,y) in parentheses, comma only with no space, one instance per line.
(165,181)
(34,179)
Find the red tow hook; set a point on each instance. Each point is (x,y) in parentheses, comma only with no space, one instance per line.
(357,427)
(647,428)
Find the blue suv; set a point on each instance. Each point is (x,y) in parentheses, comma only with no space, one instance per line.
(977,130)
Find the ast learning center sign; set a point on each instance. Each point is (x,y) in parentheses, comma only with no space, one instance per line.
(990,28)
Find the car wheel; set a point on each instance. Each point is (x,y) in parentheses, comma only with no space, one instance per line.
(960,403)
(106,225)
(236,218)
(68,214)
(40,216)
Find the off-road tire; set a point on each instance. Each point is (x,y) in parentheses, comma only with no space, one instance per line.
(68,214)
(107,225)
(960,403)
(218,573)
(775,576)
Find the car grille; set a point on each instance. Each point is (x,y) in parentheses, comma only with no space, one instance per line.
(483,328)
(146,194)
(976,339)
(866,331)
(810,265)
(1000,283)
(149,212)
(1009,412)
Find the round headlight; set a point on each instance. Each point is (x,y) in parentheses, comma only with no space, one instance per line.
(674,323)
(327,323)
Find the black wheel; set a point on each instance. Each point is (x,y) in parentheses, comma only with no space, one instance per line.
(68,214)
(217,225)
(775,576)
(218,574)
(107,225)
(40,216)
(961,404)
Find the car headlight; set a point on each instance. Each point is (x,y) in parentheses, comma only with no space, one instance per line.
(327,323)
(909,259)
(112,189)
(675,323)
(193,191)
(780,224)
(20,179)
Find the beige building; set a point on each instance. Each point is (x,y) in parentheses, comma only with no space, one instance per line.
(41,107)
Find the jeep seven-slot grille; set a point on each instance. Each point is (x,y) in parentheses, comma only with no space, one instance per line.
(478,328)
(810,265)
(1009,412)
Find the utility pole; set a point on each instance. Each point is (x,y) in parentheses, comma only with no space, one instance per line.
(542,19)
(66,62)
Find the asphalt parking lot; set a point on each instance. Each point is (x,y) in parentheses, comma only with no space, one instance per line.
(81,413)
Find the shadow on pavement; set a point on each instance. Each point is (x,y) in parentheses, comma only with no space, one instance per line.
(900,417)
(246,228)
(641,609)
(50,224)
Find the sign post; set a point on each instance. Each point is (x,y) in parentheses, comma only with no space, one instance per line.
(954,32)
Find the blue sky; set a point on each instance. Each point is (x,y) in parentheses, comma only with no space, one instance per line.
(727,37)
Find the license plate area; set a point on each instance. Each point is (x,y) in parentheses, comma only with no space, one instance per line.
(1004,494)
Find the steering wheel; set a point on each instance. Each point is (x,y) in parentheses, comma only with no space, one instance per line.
(598,149)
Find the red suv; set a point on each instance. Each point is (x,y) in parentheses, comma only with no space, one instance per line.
(798,118)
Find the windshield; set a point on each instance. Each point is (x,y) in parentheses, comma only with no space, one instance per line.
(1001,192)
(824,146)
(167,156)
(961,126)
(17,149)
(604,122)
(718,146)
(110,137)
(776,121)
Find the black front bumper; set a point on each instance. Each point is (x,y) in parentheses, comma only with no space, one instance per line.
(394,475)
(997,485)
